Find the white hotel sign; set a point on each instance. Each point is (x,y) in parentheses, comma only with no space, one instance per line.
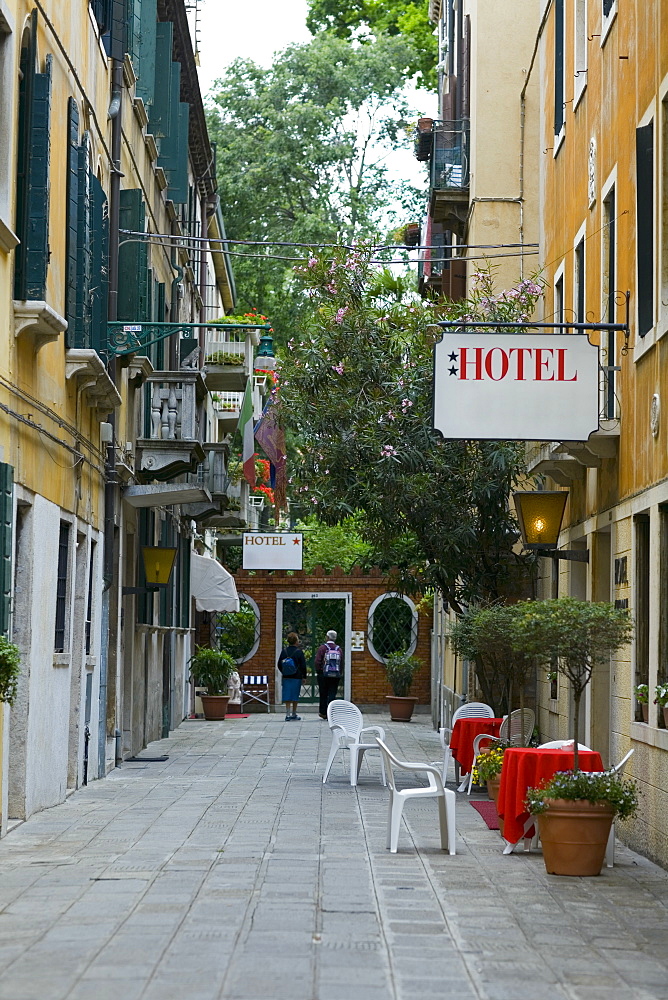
(531,387)
(272,551)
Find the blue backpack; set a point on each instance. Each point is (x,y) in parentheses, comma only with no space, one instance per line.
(289,667)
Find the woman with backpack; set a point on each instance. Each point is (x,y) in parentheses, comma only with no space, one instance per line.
(328,667)
(292,666)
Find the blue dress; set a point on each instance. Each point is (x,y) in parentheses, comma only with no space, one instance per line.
(291,686)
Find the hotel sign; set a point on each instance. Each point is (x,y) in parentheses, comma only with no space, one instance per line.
(280,550)
(516,387)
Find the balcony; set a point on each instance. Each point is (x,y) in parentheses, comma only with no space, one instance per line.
(228,362)
(226,407)
(449,168)
(567,461)
(170,423)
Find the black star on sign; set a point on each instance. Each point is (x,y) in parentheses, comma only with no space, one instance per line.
(452,357)
(453,370)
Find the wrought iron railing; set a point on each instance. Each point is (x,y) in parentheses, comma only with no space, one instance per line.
(450,155)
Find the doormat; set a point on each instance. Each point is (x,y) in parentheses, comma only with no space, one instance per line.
(235,715)
(488,812)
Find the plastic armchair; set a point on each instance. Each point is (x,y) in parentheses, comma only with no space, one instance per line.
(399,797)
(558,744)
(347,725)
(471,710)
(516,730)
(610,846)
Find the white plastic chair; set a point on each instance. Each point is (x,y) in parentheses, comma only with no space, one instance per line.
(347,725)
(471,710)
(399,797)
(610,846)
(516,729)
(558,744)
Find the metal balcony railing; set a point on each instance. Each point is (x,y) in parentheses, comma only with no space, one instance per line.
(450,156)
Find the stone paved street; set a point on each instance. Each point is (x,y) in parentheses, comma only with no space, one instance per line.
(230,871)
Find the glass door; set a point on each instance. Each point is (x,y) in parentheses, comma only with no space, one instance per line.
(311,618)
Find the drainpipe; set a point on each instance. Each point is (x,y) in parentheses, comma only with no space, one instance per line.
(109,561)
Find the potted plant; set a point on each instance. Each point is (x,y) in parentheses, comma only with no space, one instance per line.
(661,699)
(400,668)
(582,800)
(641,692)
(211,668)
(10,668)
(487,770)
(576,636)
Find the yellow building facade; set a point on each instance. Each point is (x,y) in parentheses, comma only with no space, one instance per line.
(603,69)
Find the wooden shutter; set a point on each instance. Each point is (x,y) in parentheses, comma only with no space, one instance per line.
(133,261)
(145,63)
(81,337)
(102,14)
(116,40)
(160,114)
(645,226)
(6,521)
(72,238)
(558,66)
(174,146)
(98,289)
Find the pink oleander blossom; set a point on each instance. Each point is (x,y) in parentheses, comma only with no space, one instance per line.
(340,314)
(338,368)
(387,451)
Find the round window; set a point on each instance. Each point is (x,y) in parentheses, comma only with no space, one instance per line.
(392,626)
(238,632)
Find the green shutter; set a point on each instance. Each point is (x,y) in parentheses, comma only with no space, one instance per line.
(32,212)
(80,333)
(98,289)
(145,65)
(133,261)
(102,14)
(162,312)
(6,521)
(161,110)
(185,583)
(116,42)
(72,237)
(174,152)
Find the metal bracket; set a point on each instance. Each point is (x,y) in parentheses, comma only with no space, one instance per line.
(131,338)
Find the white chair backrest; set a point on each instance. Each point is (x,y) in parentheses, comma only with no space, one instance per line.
(512,728)
(345,714)
(619,768)
(473,710)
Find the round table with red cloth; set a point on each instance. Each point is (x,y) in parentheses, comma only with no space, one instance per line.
(463,734)
(526,767)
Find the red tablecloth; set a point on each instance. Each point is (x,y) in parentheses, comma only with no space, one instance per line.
(526,767)
(463,735)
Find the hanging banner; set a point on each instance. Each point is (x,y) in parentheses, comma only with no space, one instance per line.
(516,387)
(272,551)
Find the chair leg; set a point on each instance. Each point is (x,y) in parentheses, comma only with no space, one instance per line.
(443,823)
(610,848)
(446,764)
(389,820)
(383,778)
(356,755)
(450,801)
(395,822)
(332,754)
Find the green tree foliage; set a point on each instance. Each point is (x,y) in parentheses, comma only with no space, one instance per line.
(300,151)
(356,387)
(367,19)
(333,545)
(235,631)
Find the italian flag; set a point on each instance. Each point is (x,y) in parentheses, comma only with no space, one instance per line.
(247,436)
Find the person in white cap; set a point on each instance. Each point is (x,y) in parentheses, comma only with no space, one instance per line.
(328,668)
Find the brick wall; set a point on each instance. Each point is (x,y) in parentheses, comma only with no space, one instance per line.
(368,682)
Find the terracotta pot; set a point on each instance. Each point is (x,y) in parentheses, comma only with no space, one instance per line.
(493,786)
(574,835)
(214,706)
(425,124)
(401,709)
(665,715)
(645,713)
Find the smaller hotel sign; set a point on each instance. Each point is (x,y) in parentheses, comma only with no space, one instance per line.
(275,551)
(516,387)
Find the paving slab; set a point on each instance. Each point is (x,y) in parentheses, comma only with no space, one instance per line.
(230,872)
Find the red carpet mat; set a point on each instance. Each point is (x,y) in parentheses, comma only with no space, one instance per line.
(488,812)
(235,715)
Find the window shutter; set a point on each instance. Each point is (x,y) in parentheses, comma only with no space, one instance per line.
(6,521)
(645,226)
(174,146)
(102,14)
(160,115)
(72,240)
(145,66)
(558,66)
(81,331)
(133,261)
(116,40)
(98,290)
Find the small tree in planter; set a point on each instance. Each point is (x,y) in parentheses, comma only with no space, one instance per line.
(400,668)
(10,668)
(212,668)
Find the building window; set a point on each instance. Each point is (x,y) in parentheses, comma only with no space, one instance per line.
(579,282)
(559,52)
(392,626)
(61,587)
(609,13)
(645,226)
(559,299)
(641,602)
(89,601)
(580,68)
(608,354)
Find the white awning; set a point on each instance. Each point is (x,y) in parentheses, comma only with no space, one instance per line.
(211,585)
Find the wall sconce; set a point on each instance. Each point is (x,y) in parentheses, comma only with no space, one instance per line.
(158,565)
(540,513)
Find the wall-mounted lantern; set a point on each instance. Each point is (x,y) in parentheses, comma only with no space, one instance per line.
(540,513)
(158,565)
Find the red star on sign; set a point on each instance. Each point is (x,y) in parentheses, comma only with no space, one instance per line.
(295,541)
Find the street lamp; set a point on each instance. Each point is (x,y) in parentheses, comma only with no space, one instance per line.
(540,513)
(265,359)
(158,565)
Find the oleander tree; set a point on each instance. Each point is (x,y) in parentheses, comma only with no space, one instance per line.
(356,393)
